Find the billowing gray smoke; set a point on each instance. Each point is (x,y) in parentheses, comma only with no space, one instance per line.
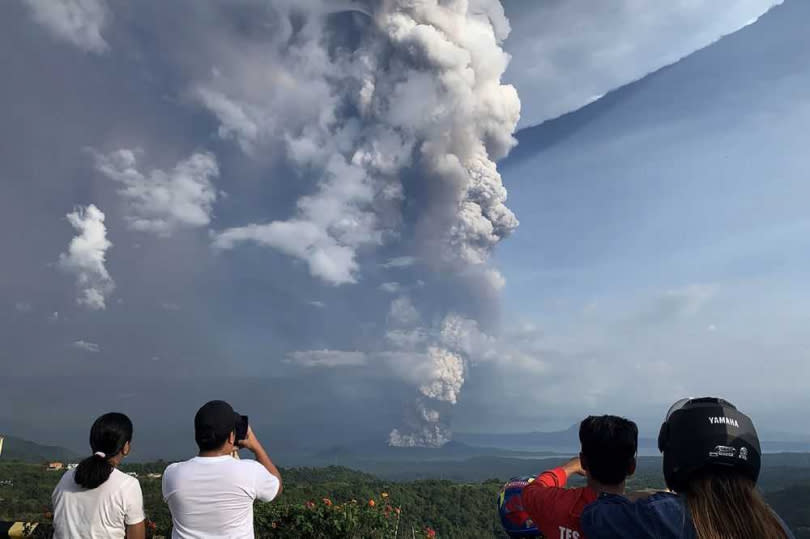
(410,114)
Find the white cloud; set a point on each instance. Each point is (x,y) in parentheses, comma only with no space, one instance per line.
(86,257)
(318,304)
(86,346)
(78,22)
(327,358)
(163,202)
(327,259)
(568,54)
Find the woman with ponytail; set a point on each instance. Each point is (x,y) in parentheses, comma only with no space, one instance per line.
(96,499)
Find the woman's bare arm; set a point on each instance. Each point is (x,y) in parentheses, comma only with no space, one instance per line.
(136,531)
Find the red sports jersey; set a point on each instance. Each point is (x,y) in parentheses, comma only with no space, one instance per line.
(556,509)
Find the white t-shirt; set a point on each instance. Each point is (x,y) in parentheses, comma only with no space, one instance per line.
(102,512)
(212,497)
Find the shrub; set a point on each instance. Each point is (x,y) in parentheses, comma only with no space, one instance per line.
(325,518)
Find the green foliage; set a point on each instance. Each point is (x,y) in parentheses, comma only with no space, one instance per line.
(25,491)
(325,518)
(334,502)
(416,509)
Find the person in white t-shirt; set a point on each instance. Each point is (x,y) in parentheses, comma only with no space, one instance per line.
(211,496)
(96,500)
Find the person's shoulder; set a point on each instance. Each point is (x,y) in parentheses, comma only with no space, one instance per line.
(659,499)
(176,471)
(177,467)
(610,499)
(123,479)
(67,481)
(616,506)
(249,465)
(250,471)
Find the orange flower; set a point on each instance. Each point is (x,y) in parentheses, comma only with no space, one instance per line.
(310,504)
(371,503)
(327,502)
(430,532)
(398,510)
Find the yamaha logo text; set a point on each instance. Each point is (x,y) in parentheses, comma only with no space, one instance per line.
(724,421)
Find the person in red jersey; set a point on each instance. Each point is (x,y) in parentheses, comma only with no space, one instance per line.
(608,456)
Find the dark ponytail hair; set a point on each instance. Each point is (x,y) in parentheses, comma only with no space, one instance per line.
(108,435)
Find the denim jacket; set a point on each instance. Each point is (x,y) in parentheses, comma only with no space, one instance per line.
(661,516)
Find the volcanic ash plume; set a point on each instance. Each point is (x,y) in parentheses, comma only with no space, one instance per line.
(437,372)
(415,94)
(398,122)
(424,429)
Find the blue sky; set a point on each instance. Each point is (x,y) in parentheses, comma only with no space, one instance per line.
(675,210)
(335,259)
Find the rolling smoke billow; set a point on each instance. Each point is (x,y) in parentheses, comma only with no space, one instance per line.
(412,118)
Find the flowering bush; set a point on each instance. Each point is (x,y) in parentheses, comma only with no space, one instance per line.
(327,519)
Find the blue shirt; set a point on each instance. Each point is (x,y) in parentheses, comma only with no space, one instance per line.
(661,516)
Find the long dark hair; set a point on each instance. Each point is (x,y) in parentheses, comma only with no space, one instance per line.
(108,435)
(724,503)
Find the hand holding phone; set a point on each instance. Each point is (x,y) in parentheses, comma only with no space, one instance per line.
(251,443)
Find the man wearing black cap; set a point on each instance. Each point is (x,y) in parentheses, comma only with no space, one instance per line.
(212,494)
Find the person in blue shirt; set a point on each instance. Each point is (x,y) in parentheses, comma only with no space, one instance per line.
(711,466)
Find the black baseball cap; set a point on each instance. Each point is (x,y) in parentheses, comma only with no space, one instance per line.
(214,422)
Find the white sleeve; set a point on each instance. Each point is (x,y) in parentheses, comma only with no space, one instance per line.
(266,485)
(165,482)
(133,503)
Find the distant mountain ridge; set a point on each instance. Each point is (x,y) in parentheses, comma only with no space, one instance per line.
(567,441)
(25,450)
(451,451)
